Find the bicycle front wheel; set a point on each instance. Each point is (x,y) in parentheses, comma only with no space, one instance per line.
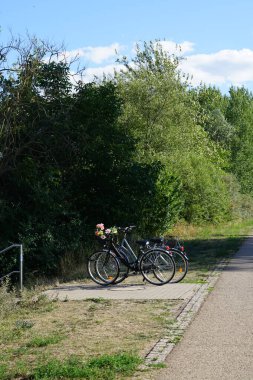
(103,267)
(157,266)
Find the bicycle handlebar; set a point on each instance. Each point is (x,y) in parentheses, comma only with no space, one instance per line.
(126,229)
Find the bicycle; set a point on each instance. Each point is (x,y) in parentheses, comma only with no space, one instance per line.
(178,253)
(112,264)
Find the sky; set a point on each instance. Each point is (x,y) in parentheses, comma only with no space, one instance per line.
(216,36)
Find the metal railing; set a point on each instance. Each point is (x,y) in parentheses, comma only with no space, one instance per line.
(20,271)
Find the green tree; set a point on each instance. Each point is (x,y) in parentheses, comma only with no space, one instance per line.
(35,103)
(240,114)
(163,113)
(211,116)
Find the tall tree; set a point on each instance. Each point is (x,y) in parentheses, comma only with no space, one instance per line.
(212,118)
(163,115)
(240,114)
(35,103)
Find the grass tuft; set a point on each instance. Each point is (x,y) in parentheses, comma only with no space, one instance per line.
(24,324)
(43,341)
(8,299)
(99,300)
(3,370)
(105,367)
(157,365)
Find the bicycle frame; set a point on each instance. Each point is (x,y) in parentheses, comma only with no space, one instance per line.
(126,245)
(126,254)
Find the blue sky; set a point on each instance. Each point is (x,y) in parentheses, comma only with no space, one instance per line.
(216,36)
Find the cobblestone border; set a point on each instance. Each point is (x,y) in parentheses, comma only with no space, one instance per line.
(165,345)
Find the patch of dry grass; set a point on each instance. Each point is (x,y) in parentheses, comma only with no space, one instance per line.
(39,329)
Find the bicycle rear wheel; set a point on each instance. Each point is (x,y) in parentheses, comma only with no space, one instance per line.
(123,265)
(181,265)
(103,267)
(157,266)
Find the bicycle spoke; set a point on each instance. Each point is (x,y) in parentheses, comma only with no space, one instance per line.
(157,266)
(181,265)
(103,267)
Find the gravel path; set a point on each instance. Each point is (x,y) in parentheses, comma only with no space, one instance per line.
(219,342)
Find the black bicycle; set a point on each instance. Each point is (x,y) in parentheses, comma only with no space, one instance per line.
(116,261)
(176,248)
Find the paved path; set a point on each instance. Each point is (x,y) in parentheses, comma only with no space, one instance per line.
(218,345)
(121,291)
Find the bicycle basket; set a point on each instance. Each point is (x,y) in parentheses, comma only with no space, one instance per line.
(103,235)
(102,239)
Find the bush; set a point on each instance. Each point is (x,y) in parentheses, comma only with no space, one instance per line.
(205,192)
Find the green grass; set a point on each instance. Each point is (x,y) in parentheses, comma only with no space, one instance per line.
(208,245)
(106,367)
(157,365)
(99,300)
(195,281)
(43,341)
(176,339)
(3,370)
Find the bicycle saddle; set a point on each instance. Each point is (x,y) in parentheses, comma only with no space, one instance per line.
(157,240)
(142,242)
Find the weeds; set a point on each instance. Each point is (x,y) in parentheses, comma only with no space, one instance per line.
(99,300)
(106,367)
(8,299)
(176,339)
(43,341)
(34,299)
(23,324)
(157,365)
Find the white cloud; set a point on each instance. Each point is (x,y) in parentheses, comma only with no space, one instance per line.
(98,72)
(176,48)
(96,54)
(225,66)
(171,47)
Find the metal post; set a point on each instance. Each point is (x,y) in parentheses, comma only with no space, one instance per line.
(21,267)
(21,272)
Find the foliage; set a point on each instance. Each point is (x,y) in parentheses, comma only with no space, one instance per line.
(141,147)
(157,107)
(161,113)
(240,113)
(8,299)
(104,367)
